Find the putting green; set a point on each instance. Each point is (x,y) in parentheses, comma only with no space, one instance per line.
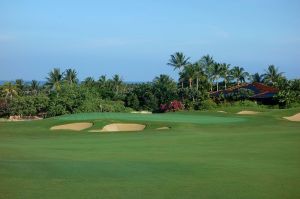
(196,119)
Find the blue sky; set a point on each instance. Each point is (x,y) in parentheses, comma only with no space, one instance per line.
(135,38)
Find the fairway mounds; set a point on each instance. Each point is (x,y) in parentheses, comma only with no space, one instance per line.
(73,126)
(116,127)
(293,118)
(247,113)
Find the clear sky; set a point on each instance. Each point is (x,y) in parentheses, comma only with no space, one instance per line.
(134,38)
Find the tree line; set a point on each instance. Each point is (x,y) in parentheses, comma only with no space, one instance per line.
(63,93)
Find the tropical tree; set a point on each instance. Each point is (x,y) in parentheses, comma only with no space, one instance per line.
(117,82)
(9,90)
(225,73)
(199,73)
(102,80)
(178,60)
(207,63)
(20,85)
(256,77)
(188,73)
(239,74)
(54,80)
(165,89)
(216,71)
(272,75)
(88,82)
(34,87)
(71,76)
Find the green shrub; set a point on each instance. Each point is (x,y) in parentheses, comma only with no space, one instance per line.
(208,104)
(245,103)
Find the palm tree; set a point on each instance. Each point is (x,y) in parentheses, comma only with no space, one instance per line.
(178,60)
(165,89)
(256,77)
(225,74)
(272,75)
(239,74)
(34,86)
(216,71)
(102,80)
(89,82)
(189,73)
(71,76)
(20,85)
(199,73)
(207,63)
(117,82)
(9,90)
(55,79)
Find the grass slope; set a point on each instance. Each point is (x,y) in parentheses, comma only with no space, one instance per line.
(256,157)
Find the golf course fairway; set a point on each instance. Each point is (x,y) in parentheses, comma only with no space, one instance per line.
(207,155)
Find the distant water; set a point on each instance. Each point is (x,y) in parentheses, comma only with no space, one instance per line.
(26,82)
(43,82)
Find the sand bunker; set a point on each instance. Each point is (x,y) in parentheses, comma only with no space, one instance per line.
(73,126)
(221,111)
(142,112)
(163,128)
(294,118)
(247,112)
(121,127)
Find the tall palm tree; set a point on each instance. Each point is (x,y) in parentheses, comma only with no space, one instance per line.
(225,74)
(256,77)
(9,90)
(102,80)
(239,74)
(55,79)
(189,73)
(89,82)
(71,76)
(34,86)
(178,60)
(216,71)
(272,75)
(199,73)
(20,85)
(117,82)
(207,62)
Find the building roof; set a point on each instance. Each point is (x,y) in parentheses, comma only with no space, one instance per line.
(260,90)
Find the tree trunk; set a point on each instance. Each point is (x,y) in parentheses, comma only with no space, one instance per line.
(197,82)
(225,84)
(181,84)
(190,81)
(217,85)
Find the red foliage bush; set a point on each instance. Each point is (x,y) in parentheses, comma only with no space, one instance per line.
(174,105)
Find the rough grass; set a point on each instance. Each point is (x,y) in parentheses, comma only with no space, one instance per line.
(258,157)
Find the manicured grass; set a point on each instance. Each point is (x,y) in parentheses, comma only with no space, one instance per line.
(203,155)
(196,119)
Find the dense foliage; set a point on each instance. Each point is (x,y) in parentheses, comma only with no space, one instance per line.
(63,93)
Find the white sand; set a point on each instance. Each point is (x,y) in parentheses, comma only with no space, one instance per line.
(142,112)
(294,118)
(115,127)
(73,126)
(247,113)
(163,128)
